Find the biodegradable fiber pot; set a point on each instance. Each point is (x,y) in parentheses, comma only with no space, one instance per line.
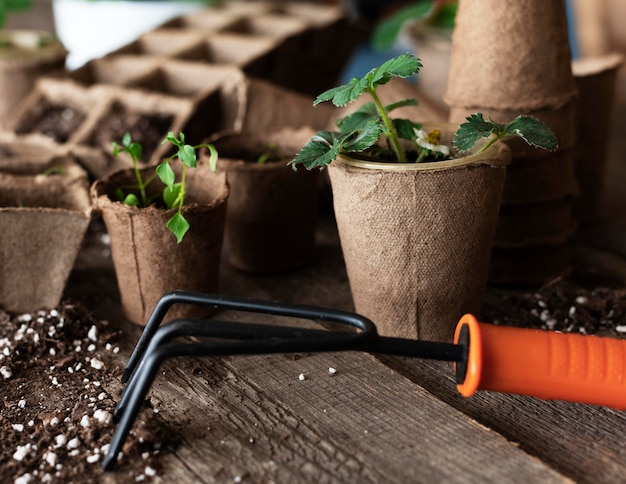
(27,56)
(43,220)
(272,209)
(147,259)
(416,238)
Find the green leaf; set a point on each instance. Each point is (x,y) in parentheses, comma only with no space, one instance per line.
(126,139)
(472,130)
(446,16)
(406,128)
(131,200)
(171,195)
(135,150)
(166,174)
(533,131)
(171,137)
(187,154)
(342,95)
(400,104)
(358,119)
(212,157)
(178,226)
(319,152)
(402,66)
(365,137)
(386,32)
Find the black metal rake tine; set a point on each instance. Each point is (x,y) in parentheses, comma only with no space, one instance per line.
(367,327)
(135,393)
(211,328)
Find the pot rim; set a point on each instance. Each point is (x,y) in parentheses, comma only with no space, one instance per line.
(491,156)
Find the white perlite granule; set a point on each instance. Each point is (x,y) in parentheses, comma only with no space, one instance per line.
(96,363)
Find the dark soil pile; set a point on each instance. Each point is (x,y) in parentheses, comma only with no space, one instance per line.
(60,382)
(562,306)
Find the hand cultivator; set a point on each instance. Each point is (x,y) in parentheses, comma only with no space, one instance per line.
(538,363)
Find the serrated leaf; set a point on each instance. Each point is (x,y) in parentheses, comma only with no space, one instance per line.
(187,154)
(405,128)
(318,152)
(472,130)
(166,174)
(358,119)
(171,194)
(178,226)
(400,104)
(402,66)
(340,96)
(533,131)
(365,137)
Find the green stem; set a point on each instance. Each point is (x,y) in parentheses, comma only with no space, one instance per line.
(140,184)
(390,131)
(489,143)
(181,195)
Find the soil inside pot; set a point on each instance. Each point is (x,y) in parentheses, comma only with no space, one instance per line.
(147,129)
(55,121)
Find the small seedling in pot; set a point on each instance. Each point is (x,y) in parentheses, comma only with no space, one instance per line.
(273,153)
(174,191)
(359,133)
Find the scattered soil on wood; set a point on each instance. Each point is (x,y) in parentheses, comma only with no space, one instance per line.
(60,384)
(564,306)
(60,373)
(54,121)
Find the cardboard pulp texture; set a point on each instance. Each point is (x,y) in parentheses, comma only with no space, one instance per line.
(148,261)
(21,68)
(417,264)
(43,220)
(272,209)
(510,54)
(595,78)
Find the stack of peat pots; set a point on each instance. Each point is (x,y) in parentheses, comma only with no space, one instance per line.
(512,57)
(236,66)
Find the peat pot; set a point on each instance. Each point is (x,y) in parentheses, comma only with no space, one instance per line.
(44,215)
(25,56)
(272,209)
(147,259)
(416,238)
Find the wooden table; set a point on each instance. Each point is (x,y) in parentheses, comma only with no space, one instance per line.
(377,419)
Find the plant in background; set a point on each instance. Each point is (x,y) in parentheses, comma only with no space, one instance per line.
(361,132)
(435,13)
(174,192)
(9,6)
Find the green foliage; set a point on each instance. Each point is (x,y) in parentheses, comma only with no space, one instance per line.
(8,6)
(273,153)
(530,129)
(174,191)
(433,12)
(360,130)
(359,133)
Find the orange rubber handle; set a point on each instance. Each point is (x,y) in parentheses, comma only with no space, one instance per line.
(544,364)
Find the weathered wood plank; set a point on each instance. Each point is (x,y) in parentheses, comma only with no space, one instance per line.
(366,423)
(584,442)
